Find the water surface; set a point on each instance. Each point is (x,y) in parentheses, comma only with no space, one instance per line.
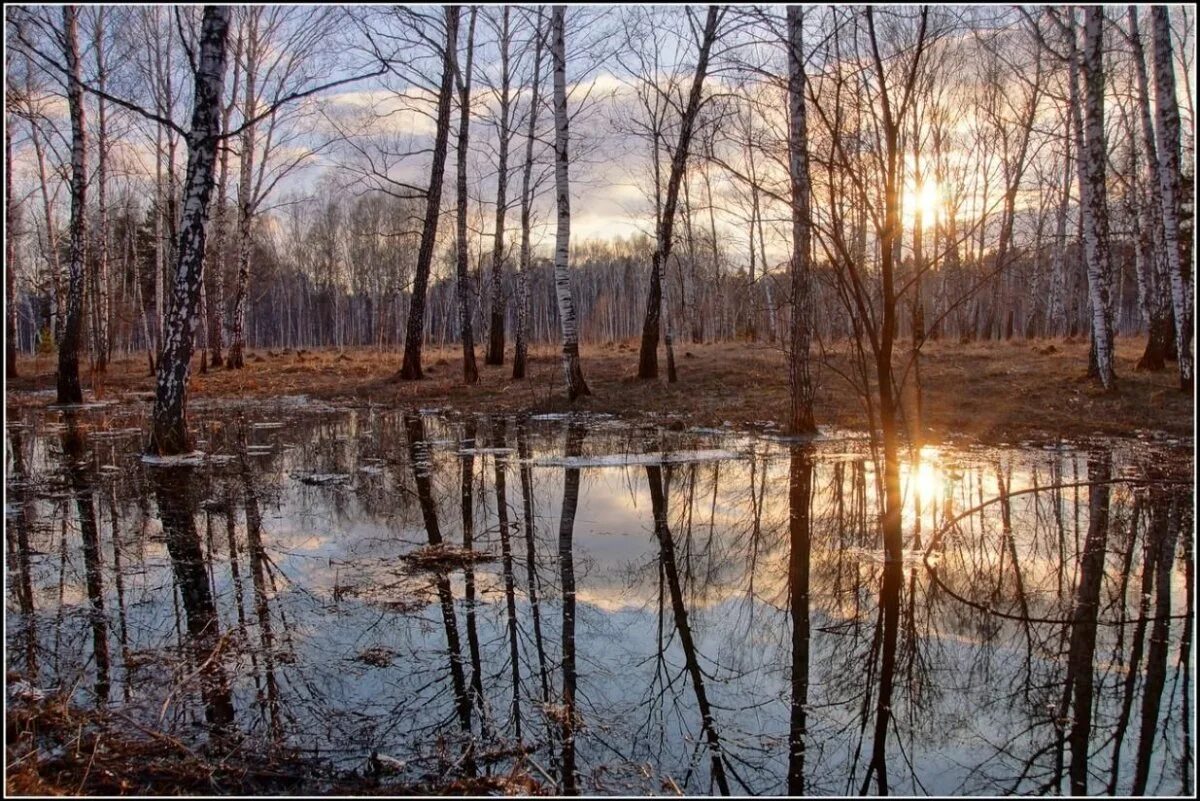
(612,608)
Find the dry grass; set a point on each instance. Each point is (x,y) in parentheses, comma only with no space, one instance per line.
(991,391)
(53,748)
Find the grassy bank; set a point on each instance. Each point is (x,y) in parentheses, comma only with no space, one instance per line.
(994,391)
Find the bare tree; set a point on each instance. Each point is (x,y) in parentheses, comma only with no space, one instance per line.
(648,355)
(101,313)
(1168,135)
(470,371)
(414,337)
(10,241)
(170,434)
(572,370)
(495,351)
(1093,159)
(69,389)
(802,420)
(521,344)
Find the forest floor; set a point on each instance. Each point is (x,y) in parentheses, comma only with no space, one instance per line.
(989,391)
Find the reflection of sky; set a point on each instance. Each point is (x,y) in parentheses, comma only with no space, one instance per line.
(733,559)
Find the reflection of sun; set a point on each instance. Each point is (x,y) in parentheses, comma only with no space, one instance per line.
(926,200)
(928,479)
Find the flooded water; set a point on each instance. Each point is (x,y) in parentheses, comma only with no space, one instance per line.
(612,609)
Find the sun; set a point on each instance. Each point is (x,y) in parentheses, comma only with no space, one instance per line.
(925,200)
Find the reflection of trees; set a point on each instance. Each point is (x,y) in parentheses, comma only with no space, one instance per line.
(75,466)
(994,633)
(510,601)
(800,489)
(666,546)
(268,703)
(19,551)
(173,489)
(419,457)
(1164,526)
(566,559)
(470,602)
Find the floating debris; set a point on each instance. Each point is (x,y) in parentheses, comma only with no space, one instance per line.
(444,557)
(632,459)
(193,458)
(321,479)
(378,656)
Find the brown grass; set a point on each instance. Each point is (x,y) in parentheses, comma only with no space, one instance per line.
(53,748)
(991,391)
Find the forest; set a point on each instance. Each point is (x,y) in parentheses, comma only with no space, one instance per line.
(838,361)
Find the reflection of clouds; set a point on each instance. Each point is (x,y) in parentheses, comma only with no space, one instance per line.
(730,523)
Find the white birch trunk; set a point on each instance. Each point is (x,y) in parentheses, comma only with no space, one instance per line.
(69,389)
(521,344)
(572,370)
(1168,135)
(802,420)
(170,435)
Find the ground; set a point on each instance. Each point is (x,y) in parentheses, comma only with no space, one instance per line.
(990,391)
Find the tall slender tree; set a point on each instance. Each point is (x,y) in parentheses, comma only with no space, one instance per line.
(170,435)
(495,351)
(470,370)
(69,389)
(802,420)
(664,235)
(521,335)
(410,368)
(1171,194)
(572,370)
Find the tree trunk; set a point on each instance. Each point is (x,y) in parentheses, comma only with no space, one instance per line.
(170,435)
(470,371)
(1154,272)
(802,420)
(69,390)
(521,344)
(1169,175)
(217,260)
(100,318)
(495,354)
(648,356)
(10,260)
(246,201)
(572,369)
(1093,160)
(414,336)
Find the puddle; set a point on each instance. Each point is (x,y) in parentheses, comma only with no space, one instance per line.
(634,609)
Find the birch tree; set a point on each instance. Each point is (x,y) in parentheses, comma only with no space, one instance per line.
(648,355)
(100,317)
(1168,135)
(1155,265)
(572,370)
(1094,161)
(802,420)
(280,47)
(69,389)
(521,335)
(470,371)
(170,435)
(10,241)
(495,351)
